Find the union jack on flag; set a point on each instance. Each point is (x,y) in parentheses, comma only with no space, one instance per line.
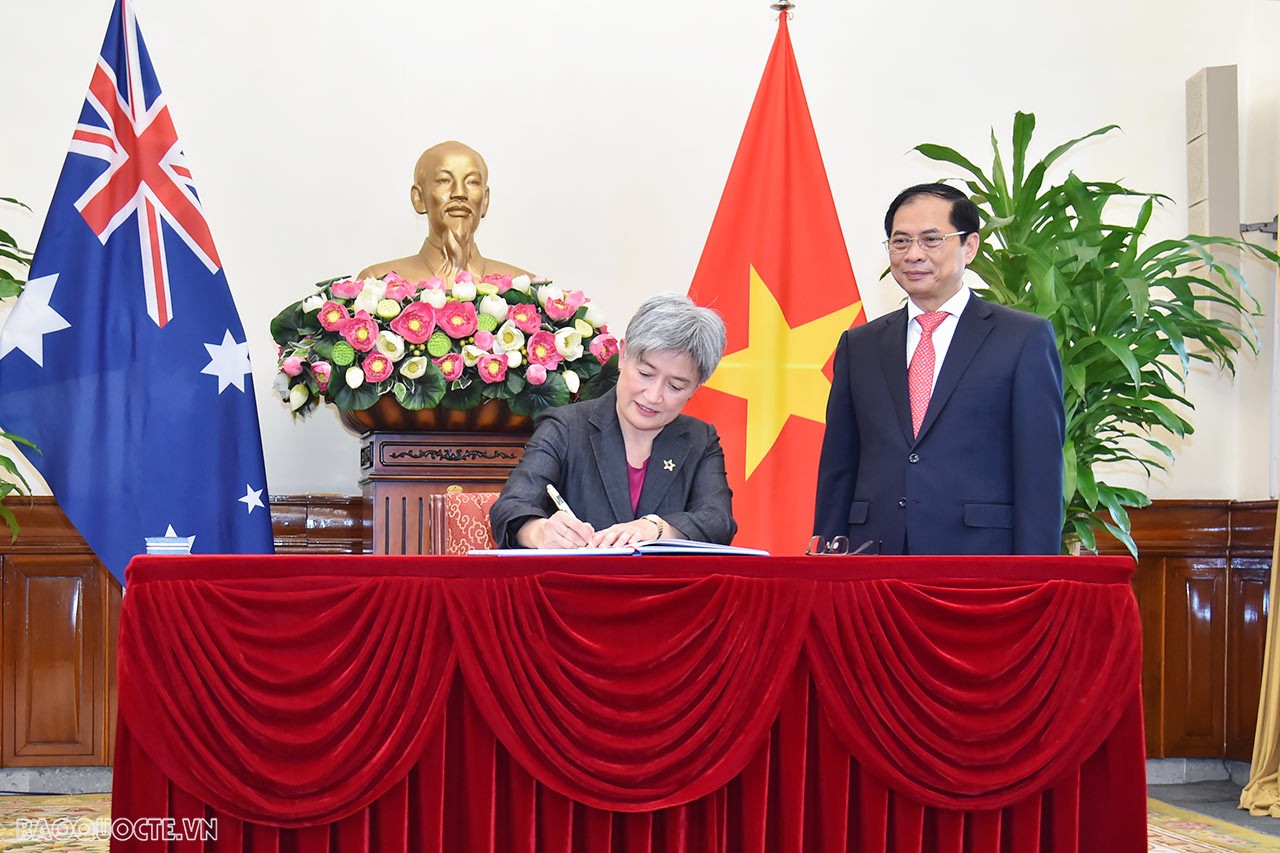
(124,359)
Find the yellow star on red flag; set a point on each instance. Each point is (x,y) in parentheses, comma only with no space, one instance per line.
(780,373)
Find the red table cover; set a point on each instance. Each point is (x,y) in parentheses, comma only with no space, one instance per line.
(476,704)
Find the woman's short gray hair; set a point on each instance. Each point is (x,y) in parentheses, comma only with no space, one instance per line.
(671,322)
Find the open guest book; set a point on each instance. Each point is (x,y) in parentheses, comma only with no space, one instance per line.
(655,546)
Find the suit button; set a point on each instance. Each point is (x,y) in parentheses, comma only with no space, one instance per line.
(913,458)
(902,502)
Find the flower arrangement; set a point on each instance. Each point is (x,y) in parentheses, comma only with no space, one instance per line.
(434,344)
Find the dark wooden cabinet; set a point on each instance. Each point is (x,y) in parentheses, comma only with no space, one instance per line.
(1202,585)
(58,627)
(54,696)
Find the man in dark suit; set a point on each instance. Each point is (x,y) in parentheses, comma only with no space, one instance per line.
(945,420)
(630,467)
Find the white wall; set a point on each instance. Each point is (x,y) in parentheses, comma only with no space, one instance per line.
(609,129)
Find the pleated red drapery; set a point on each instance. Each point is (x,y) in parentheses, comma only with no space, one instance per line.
(633,703)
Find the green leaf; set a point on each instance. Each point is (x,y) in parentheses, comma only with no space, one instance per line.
(355,399)
(949,155)
(425,392)
(463,397)
(1121,351)
(600,384)
(535,399)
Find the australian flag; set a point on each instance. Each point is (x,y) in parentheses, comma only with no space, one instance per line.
(124,359)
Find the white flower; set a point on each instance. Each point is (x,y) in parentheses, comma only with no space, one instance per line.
(464,291)
(313,303)
(435,298)
(298,395)
(281,385)
(355,376)
(495,306)
(549,291)
(571,380)
(514,359)
(594,315)
(390,344)
(569,344)
(471,354)
(508,338)
(370,296)
(521,284)
(413,368)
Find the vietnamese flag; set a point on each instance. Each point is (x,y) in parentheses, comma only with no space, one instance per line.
(776,268)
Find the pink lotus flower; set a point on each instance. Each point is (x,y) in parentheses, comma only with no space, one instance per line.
(526,316)
(361,331)
(398,288)
(433,283)
(484,339)
(535,374)
(604,347)
(493,368)
(566,306)
(458,319)
(415,323)
(542,350)
(323,371)
(464,276)
(347,288)
(332,315)
(377,367)
(450,365)
(502,282)
(291,365)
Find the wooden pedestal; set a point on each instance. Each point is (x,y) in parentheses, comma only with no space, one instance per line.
(401,471)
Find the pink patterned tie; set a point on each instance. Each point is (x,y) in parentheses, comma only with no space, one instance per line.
(920,371)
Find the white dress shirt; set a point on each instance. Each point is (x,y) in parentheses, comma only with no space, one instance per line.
(941,335)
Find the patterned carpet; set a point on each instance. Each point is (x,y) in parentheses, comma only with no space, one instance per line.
(81,823)
(1175,830)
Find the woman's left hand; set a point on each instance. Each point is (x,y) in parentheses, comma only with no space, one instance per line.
(626,533)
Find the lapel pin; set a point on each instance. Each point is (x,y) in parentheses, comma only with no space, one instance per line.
(669,464)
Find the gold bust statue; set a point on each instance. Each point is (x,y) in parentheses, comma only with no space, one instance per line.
(451,186)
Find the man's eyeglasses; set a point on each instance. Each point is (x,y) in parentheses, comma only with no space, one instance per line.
(900,243)
(819,546)
(839,546)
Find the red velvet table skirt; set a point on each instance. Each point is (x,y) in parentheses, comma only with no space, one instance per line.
(697,704)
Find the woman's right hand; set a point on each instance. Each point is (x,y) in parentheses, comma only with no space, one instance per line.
(561,530)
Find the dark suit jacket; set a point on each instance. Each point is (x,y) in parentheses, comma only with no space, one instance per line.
(579,448)
(985,474)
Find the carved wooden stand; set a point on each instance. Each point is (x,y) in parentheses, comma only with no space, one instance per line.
(404,467)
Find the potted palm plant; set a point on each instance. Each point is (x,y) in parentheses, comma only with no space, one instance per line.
(1130,314)
(11,480)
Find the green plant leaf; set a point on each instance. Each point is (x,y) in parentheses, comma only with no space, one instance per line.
(949,155)
(535,399)
(605,378)
(425,392)
(345,397)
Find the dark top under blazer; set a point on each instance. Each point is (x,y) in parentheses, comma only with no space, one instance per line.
(579,449)
(985,474)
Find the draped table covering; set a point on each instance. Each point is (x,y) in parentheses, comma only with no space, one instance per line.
(632,703)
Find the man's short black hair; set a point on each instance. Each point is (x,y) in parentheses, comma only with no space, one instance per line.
(964,213)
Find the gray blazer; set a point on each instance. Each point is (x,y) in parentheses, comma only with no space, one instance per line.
(579,448)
